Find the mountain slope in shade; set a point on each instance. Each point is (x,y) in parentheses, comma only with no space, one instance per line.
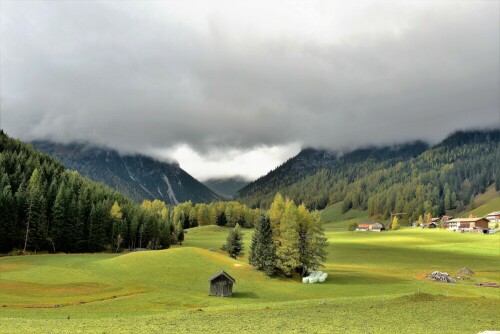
(227,186)
(136,176)
(310,161)
(412,177)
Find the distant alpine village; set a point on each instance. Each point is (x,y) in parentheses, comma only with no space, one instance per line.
(479,225)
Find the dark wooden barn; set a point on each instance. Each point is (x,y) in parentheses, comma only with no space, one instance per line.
(221,284)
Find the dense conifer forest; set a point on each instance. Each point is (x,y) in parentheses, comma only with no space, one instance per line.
(410,178)
(45,207)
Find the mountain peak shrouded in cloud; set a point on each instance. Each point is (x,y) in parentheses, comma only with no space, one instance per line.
(188,80)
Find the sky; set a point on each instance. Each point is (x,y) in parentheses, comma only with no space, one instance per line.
(238,87)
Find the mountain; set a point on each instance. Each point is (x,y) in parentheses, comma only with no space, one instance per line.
(413,178)
(311,161)
(228,187)
(137,176)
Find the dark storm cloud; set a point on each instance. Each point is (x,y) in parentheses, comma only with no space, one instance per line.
(140,78)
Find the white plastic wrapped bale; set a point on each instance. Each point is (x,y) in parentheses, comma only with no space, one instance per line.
(305,279)
(323,277)
(313,280)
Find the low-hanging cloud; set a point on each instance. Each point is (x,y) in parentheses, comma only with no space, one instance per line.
(142,77)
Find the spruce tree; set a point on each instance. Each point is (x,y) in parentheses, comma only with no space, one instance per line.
(262,254)
(7,218)
(234,242)
(34,212)
(312,241)
(472,203)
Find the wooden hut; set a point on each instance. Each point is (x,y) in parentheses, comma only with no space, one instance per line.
(221,284)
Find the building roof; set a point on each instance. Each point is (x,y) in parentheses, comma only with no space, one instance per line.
(467,220)
(222,273)
(369,223)
(496,213)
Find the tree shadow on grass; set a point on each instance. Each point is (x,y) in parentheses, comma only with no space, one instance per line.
(245,294)
(360,278)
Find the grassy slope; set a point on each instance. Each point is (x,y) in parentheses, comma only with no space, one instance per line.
(372,276)
(485,203)
(333,216)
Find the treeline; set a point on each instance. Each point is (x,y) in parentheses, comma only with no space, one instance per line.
(44,207)
(289,239)
(187,214)
(409,179)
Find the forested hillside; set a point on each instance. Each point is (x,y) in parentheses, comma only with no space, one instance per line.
(410,178)
(136,176)
(44,207)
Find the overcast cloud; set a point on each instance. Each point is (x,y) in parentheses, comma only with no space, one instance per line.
(255,81)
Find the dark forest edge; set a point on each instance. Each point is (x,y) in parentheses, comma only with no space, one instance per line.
(47,208)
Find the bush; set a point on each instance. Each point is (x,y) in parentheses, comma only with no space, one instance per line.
(352,226)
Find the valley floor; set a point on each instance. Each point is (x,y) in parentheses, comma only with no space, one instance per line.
(376,284)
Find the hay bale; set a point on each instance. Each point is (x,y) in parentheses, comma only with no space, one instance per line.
(313,280)
(305,279)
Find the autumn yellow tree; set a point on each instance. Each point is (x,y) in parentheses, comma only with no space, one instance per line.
(287,242)
(275,214)
(395,223)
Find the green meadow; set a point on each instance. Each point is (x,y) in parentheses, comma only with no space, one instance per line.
(377,284)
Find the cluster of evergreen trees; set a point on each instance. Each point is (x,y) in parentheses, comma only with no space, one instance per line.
(411,179)
(290,239)
(45,207)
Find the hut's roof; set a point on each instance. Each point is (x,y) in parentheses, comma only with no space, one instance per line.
(370,223)
(222,273)
(465,220)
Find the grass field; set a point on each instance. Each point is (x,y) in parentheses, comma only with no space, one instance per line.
(376,284)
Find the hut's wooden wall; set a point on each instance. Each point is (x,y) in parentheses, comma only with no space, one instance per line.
(222,287)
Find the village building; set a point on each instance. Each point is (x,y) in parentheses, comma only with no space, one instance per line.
(370,226)
(221,284)
(493,217)
(477,225)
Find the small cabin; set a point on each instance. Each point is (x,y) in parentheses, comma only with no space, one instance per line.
(221,284)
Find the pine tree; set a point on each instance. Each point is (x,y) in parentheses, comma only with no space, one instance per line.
(234,242)
(312,240)
(262,254)
(34,212)
(472,203)
(7,217)
(59,227)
